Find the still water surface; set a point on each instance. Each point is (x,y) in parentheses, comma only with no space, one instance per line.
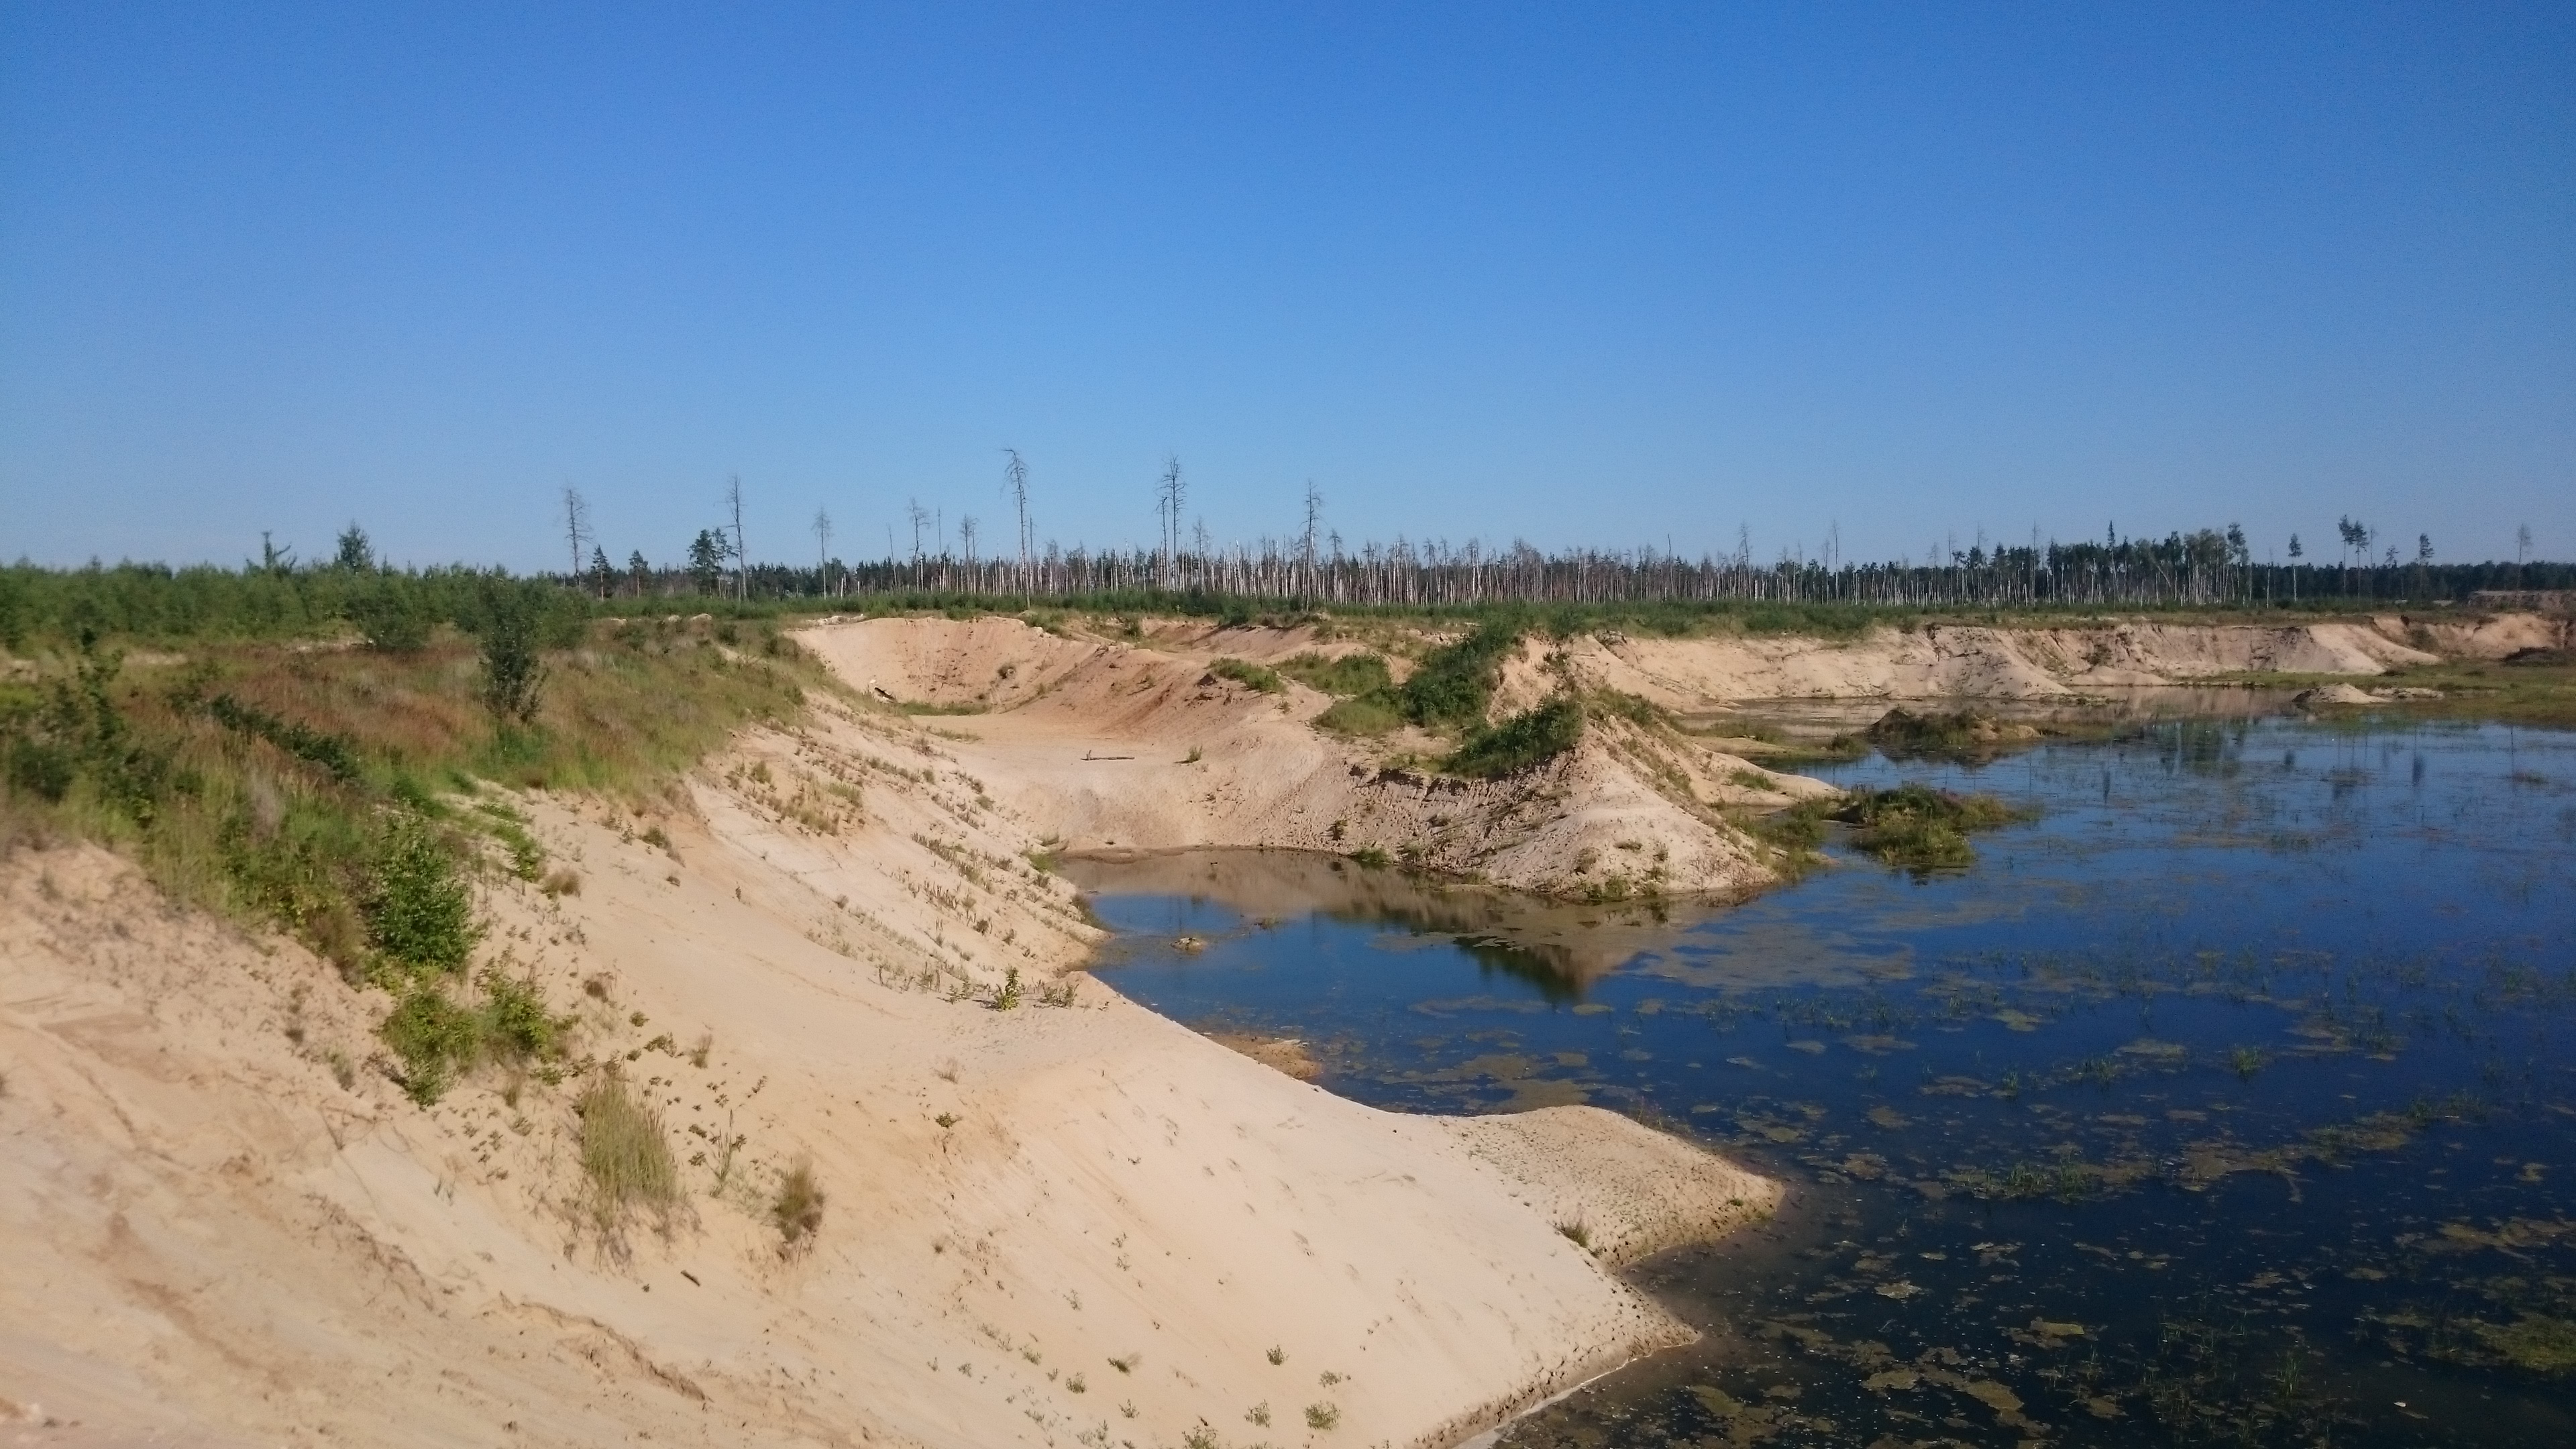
(2231,1100)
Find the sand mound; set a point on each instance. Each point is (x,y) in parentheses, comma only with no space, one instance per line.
(1131,746)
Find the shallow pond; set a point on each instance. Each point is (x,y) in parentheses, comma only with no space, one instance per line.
(2233,1099)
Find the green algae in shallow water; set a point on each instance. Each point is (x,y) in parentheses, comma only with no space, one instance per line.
(2263,1256)
(2535,1343)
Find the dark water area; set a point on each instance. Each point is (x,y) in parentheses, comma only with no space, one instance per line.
(2232,1100)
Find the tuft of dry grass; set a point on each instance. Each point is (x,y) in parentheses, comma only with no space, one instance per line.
(625,1158)
(797,1206)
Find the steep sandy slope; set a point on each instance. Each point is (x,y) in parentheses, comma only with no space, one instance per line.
(2479,636)
(1071,1223)
(1946,660)
(1126,746)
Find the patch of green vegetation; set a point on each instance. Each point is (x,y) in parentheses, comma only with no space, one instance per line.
(433,1038)
(1456,681)
(420,912)
(1921,828)
(1530,738)
(1247,673)
(1347,677)
(1450,691)
(309,790)
(1373,713)
(436,1040)
(1369,857)
(2534,1343)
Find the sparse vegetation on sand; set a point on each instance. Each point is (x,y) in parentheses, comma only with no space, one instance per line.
(797,1206)
(1345,677)
(1246,673)
(625,1159)
(333,793)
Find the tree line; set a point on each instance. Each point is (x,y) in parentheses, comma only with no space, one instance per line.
(278,596)
(2206,567)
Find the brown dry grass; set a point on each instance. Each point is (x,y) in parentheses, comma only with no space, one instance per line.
(625,1160)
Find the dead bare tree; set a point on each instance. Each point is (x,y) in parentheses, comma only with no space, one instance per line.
(741,558)
(917,516)
(1168,503)
(1015,479)
(1306,548)
(576,524)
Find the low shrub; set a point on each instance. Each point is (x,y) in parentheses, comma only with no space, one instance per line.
(1347,677)
(513,1023)
(1530,738)
(1456,682)
(1247,673)
(420,912)
(433,1038)
(1373,713)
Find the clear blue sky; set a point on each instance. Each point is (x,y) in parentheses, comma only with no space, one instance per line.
(1583,274)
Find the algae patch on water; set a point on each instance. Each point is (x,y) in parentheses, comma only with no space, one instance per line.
(1921,828)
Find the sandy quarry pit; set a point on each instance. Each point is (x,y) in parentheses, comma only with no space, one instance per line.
(1059,1224)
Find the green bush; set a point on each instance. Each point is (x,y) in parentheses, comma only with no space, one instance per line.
(420,913)
(393,615)
(435,1039)
(1532,737)
(1456,682)
(512,1023)
(508,624)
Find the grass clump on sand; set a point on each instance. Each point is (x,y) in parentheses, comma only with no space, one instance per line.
(1347,677)
(797,1206)
(1373,713)
(625,1159)
(1919,827)
(1530,738)
(1245,672)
